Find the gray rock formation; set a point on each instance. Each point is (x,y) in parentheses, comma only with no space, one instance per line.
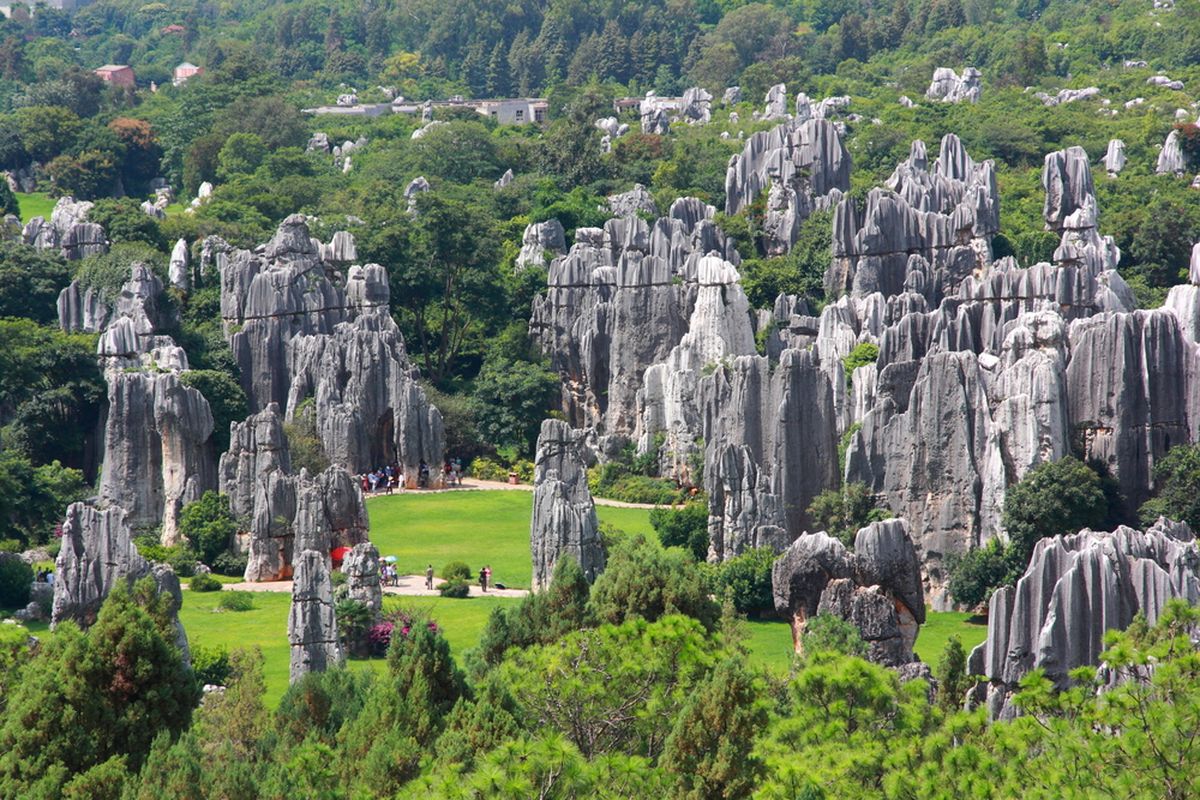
(636,201)
(97,552)
(950,87)
(1171,160)
(946,212)
(564,516)
(540,242)
(505,179)
(416,187)
(732,95)
(877,588)
(1184,300)
(804,167)
(697,106)
(1065,96)
(617,304)
(361,566)
(178,270)
(300,329)
(312,625)
(776,103)
(1114,158)
(1131,387)
(1075,589)
(157,452)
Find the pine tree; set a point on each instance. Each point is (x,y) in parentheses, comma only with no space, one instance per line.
(497,82)
(710,749)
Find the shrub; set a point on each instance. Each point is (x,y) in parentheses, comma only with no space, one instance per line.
(456,588)
(1053,499)
(841,514)
(456,570)
(860,356)
(354,620)
(685,527)
(11,546)
(1177,479)
(745,580)
(236,601)
(229,563)
(16,577)
(975,574)
(203,582)
(829,633)
(208,525)
(642,579)
(487,469)
(210,665)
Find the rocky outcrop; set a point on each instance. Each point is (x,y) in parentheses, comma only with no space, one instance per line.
(1184,300)
(697,106)
(157,452)
(654,113)
(67,231)
(1171,160)
(540,242)
(617,303)
(312,624)
(1074,590)
(776,103)
(877,587)
(1114,158)
(636,201)
(97,553)
(301,330)
(946,212)
(178,269)
(1130,385)
(361,566)
(950,87)
(564,516)
(804,167)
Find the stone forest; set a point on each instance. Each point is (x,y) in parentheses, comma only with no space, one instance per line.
(682,398)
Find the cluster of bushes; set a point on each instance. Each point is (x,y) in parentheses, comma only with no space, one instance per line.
(16,578)
(456,580)
(490,469)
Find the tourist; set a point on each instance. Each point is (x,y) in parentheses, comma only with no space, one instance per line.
(429,577)
(487,575)
(373,479)
(483,579)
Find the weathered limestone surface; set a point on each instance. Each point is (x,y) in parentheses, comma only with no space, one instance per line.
(877,587)
(312,625)
(98,552)
(540,241)
(950,87)
(803,165)
(301,329)
(946,212)
(1114,157)
(361,566)
(564,516)
(1075,589)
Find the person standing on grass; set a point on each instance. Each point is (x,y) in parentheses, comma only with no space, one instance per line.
(429,577)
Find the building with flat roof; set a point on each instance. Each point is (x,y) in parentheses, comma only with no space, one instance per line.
(118,74)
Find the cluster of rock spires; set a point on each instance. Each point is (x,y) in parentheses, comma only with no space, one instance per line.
(311,333)
(876,587)
(985,368)
(302,330)
(950,87)
(801,163)
(1075,589)
(564,515)
(67,231)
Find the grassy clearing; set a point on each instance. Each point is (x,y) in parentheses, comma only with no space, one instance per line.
(770,641)
(265,626)
(478,527)
(35,204)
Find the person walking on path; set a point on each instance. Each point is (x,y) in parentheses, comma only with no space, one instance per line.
(429,577)
(483,579)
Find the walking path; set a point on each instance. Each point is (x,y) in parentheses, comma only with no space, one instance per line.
(474,484)
(409,586)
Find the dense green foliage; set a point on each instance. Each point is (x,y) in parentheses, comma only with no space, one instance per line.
(15,579)
(208,525)
(1054,498)
(1177,488)
(841,513)
(685,526)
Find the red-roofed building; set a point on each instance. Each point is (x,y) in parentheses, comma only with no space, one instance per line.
(119,74)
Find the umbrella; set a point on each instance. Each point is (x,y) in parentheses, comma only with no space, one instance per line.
(339,553)
(391,559)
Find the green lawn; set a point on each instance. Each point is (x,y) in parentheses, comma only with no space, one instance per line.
(478,527)
(35,204)
(265,625)
(770,641)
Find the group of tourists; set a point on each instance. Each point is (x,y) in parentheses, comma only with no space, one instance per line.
(384,479)
(44,576)
(388,574)
(389,478)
